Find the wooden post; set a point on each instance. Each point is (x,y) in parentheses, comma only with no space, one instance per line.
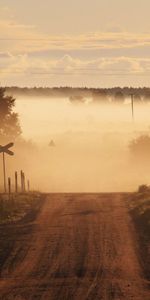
(9,186)
(24,183)
(21,175)
(16,182)
(4,171)
(28,184)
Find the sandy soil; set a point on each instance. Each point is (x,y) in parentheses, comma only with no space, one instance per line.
(80,247)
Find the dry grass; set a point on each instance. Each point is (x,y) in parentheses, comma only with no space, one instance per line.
(17,206)
(139,204)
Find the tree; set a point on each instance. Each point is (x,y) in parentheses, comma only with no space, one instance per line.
(143,188)
(9,122)
(119,97)
(100,96)
(140,149)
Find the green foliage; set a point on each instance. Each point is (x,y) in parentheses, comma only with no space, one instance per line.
(9,122)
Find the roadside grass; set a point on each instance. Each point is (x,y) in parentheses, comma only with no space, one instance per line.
(17,216)
(139,205)
(18,206)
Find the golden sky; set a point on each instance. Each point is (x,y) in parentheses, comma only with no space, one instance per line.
(76,43)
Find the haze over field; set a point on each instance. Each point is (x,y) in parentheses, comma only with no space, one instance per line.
(77,147)
(90,150)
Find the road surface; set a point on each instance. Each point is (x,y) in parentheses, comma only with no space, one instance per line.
(80,247)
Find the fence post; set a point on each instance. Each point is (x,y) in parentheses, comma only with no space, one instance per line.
(21,175)
(16,182)
(24,183)
(28,183)
(9,186)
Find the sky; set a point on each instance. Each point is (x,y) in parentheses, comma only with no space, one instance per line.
(98,43)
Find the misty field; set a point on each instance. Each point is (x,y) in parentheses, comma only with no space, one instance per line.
(63,143)
(72,140)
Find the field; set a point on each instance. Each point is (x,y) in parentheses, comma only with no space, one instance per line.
(76,247)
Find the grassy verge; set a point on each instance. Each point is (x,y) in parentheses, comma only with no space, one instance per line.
(18,206)
(139,204)
(17,216)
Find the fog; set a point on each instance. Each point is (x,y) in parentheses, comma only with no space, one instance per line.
(82,147)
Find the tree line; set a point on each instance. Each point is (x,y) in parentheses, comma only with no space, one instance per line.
(105,95)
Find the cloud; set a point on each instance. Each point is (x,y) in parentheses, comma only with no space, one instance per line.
(23,70)
(24,38)
(26,51)
(5,55)
(24,64)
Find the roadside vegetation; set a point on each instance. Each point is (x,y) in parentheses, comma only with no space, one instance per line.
(139,204)
(17,216)
(19,206)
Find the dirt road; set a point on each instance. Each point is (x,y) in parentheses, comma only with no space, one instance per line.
(80,247)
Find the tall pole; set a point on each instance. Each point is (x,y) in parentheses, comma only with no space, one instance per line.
(132,105)
(4,171)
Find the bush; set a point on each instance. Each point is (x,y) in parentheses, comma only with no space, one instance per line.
(143,188)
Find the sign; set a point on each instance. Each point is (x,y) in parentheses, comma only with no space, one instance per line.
(5,149)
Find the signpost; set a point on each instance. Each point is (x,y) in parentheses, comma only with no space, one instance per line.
(3,150)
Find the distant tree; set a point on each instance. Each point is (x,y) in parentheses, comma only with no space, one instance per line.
(100,96)
(137,98)
(140,147)
(146,96)
(143,188)
(119,97)
(9,123)
(76,99)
